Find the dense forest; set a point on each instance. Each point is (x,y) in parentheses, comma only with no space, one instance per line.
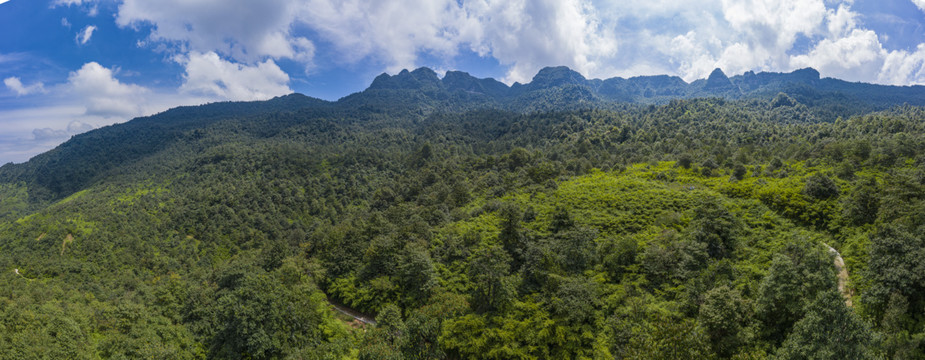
(777,216)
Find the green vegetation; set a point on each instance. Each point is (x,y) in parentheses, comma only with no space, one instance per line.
(688,230)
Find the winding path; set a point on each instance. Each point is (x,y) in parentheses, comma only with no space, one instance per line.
(16,271)
(842,275)
(356,315)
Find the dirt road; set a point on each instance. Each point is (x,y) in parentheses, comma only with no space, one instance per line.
(842,275)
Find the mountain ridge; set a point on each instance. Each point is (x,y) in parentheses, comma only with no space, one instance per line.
(649,88)
(420,92)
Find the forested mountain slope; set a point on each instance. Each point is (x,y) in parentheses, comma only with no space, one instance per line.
(565,218)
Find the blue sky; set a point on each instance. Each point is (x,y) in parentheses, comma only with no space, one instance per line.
(68,66)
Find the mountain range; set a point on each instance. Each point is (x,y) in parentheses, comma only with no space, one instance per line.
(803,83)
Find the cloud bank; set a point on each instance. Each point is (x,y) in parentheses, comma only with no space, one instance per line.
(597,38)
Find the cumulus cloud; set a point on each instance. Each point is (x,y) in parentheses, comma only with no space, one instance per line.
(528,36)
(394,31)
(15,84)
(104,95)
(847,57)
(903,67)
(209,75)
(84,35)
(525,36)
(245,30)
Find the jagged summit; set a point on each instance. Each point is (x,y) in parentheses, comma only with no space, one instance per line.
(805,74)
(718,79)
(462,81)
(561,82)
(420,78)
(556,76)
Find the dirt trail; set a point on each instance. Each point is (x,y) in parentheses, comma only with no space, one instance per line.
(16,271)
(356,315)
(842,275)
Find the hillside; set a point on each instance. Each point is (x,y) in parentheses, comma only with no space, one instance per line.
(565,218)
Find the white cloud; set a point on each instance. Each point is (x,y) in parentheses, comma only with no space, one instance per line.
(903,67)
(920,4)
(691,38)
(104,95)
(210,76)
(91,8)
(395,32)
(531,35)
(598,39)
(524,35)
(853,57)
(84,35)
(245,30)
(15,84)
(841,21)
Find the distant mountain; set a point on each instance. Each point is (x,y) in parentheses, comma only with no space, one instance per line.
(411,94)
(805,85)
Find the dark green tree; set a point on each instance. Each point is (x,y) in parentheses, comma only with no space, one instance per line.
(896,265)
(862,204)
(820,187)
(493,287)
(723,314)
(796,275)
(828,331)
(714,226)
